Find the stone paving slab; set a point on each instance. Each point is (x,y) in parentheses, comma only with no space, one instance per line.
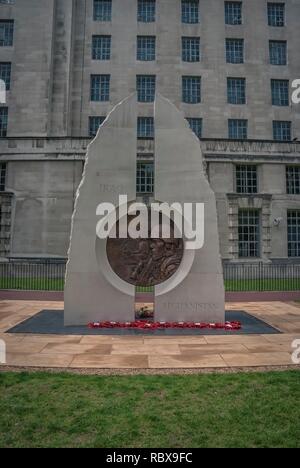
(142,353)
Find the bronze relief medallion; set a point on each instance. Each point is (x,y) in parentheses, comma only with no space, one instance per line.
(145,262)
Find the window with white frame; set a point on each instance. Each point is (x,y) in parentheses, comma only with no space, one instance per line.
(6,33)
(233,13)
(196,125)
(293,180)
(276,14)
(101,47)
(236,90)
(145,127)
(102,10)
(246,178)
(235,50)
(238,129)
(146,87)
(278,52)
(145,177)
(146,11)
(3,121)
(249,233)
(282,130)
(5,73)
(293,227)
(94,124)
(3,168)
(191,89)
(100,87)
(191,49)
(146,48)
(190,11)
(280,92)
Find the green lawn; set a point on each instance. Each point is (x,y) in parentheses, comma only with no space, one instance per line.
(218,410)
(40,284)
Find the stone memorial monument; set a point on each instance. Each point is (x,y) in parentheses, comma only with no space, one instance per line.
(102,274)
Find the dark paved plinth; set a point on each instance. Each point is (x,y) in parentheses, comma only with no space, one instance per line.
(52,322)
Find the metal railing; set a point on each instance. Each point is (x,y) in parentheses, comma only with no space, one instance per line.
(49,275)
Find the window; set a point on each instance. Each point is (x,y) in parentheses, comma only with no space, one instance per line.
(145,178)
(233,13)
(237,129)
(146,11)
(196,126)
(3,121)
(191,89)
(248,230)
(190,11)
(276,14)
(100,85)
(191,49)
(101,47)
(5,73)
(146,88)
(236,90)
(293,180)
(282,130)
(145,127)
(246,179)
(6,33)
(293,223)
(146,48)
(2,176)
(280,92)
(102,10)
(94,124)
(278,52)
(235,50)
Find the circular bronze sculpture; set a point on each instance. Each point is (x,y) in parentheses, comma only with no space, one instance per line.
(145,262)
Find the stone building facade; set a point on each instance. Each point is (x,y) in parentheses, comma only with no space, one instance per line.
(229,66)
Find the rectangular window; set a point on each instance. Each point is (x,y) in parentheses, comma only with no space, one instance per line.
(94,124)
(236,90)
(249,233)
(191,89)
(2,176)
(276,14)
(280,92)
(145,178)
(146,48)
(293,223)
(190,11)
(278,52)
(246,179)
(145,127)
(102,10)
(146,11)
(237,129)
(282,130)
(235,50)
(293,180)
(233,13)
(146,87)
(3,121)
(6,33)
(191,49)
(100,86)
(196,126)
(5,73)
(101,47)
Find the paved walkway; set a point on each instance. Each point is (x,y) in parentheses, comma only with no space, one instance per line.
(143,352)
